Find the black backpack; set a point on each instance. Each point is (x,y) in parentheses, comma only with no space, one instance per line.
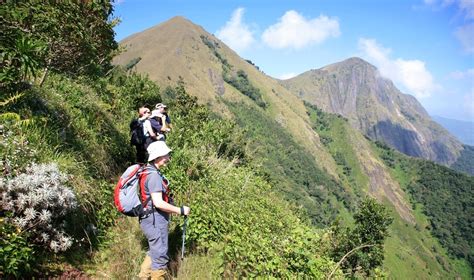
(136,129)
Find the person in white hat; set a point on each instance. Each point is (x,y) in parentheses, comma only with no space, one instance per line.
(165,119)
(156,120)
(155,224)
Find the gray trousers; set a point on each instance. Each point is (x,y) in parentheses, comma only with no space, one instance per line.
(157,236)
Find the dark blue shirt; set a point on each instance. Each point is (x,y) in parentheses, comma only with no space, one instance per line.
(155,125)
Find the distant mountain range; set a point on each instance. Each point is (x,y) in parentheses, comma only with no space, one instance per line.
(463,130)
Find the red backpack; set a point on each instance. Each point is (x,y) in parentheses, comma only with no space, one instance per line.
(130,196)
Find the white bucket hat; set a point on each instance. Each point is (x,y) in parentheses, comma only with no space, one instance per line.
(157,149)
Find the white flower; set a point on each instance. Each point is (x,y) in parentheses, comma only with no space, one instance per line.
(38,197)
(30,214)
(45,216)
(54,246)
(44,237)
(20,222)
(64,242)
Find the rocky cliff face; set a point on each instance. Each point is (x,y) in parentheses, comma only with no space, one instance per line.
(354,88)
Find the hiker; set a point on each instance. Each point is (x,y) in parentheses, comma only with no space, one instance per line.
(155,224)
(165,120)
(156,124)
(150,135)
(137,131)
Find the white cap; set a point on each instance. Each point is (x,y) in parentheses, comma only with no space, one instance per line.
(155,113)
(157,149)
(160,105)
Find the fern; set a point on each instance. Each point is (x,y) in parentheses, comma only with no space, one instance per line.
(11,99)
(23,123)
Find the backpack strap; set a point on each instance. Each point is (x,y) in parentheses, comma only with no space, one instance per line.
(147,169)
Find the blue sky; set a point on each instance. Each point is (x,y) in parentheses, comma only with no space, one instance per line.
(426,47)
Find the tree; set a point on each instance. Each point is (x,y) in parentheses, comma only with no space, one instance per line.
(71,37)
(360,250)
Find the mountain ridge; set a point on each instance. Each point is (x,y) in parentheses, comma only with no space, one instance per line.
(355,89)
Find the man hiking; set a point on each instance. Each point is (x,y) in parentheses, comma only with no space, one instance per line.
(163,117)
(155,224)
(138,133)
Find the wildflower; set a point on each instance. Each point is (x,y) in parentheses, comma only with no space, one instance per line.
(39,197)
(30,214)
(64,242)
(54,246)
(20,222)
(44,237)
(45,216)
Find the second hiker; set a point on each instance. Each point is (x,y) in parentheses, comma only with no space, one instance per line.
(155,224)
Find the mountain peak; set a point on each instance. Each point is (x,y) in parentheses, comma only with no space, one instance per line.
(179,21)
(176,26)
(349,63)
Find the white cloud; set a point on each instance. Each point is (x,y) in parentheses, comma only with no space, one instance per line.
(464,7)
(460,75)
(287,76)
(235,33)
(295,31)
(465,35)
(467,7)
(411,74)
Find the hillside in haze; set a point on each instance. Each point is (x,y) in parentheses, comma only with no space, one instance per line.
(463,130)
(308,135)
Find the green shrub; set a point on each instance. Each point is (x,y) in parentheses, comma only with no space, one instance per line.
(16,254)
(366,239)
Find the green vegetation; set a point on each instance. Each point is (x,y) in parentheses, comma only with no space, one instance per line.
(465,162)
(73,126)
(430,258)
(238,79)
(238,221)
(236,215)
(69,123)
(241,82)
(70,37)
(412,250)
(333,131)
(446,197)
(82,126)
(365,240)
(291,169)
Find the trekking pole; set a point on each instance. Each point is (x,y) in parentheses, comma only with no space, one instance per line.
(184,236)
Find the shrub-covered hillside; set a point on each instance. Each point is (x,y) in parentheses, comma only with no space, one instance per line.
(435,185)
(445,196)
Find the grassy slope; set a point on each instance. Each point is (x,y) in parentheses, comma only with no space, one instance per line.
(288,165)
(73,123)
(411,249)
